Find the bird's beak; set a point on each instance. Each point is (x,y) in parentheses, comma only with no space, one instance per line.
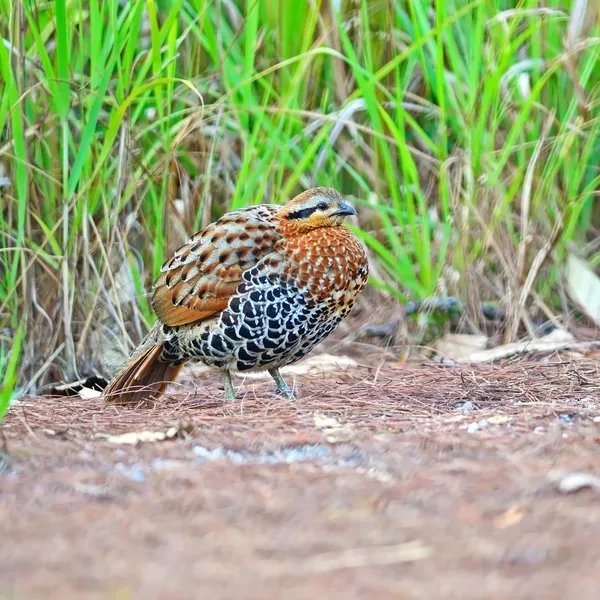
(343,210)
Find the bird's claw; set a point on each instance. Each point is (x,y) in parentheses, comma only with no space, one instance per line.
(285,392)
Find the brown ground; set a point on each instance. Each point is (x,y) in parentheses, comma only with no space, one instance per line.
(372,484)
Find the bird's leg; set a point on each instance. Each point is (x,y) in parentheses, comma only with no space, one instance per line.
(226,381)
(282,387)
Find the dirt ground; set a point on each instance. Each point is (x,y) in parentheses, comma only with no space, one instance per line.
(394,481)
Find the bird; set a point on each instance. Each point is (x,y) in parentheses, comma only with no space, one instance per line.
(256,290)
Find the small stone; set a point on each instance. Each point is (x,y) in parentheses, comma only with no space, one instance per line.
(207,454)
(467,406)
(474,427)
(539,430)
(133,472)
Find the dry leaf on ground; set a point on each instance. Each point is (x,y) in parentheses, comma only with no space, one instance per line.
(499,419)
(335,432)
(558,339)
(324,422)
(133,438)
(583,286)
(457,346)
(573,482)
(512,516)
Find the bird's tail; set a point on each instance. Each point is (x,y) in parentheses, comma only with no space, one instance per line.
(142,377)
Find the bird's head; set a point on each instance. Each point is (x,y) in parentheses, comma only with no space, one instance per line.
(314,208)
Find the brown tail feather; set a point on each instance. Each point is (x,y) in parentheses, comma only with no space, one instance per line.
(142,377)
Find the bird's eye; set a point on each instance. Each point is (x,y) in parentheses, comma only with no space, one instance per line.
(322,206)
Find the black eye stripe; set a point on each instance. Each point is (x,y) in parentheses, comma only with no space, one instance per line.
(303,213)
(306,212)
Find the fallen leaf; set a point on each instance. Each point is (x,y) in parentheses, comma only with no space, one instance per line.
(583,286)
(499,419)
(339,435)
(559,339)
(377,474)
(324,422)
(568,483)
(455,418)
(457,346)
(133,438)
(512,516)
(335,432)
(172,432)
(58,432)
(94,491)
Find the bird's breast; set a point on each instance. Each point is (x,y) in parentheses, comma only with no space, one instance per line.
(328,264)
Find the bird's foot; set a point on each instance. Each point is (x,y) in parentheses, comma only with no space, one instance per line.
(227,386)
(285,392)
(283,389)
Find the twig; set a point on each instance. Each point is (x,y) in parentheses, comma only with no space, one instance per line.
(353,558)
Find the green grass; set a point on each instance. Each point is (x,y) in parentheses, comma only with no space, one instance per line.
(465,132)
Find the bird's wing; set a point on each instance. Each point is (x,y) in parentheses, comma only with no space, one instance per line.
(197,282)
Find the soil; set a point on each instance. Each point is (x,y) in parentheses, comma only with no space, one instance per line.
(392,481)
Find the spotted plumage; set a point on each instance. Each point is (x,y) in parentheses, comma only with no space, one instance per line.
(256,290)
